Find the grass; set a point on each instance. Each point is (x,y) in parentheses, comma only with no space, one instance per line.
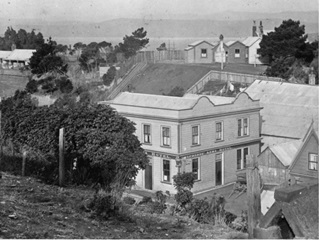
(161,78)
(9,84)
(32,209)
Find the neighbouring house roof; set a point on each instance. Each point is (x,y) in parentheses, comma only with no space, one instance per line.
(166,102)
(286,152)
(235,43)
(250,40)
(4,54)
(196,43)
(188,48)
(20,55)
(300,207)
(288,108)
(230,42)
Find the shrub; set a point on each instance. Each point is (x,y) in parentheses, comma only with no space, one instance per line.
(241,222)
(183,197)
(145,200)
(109,76)
(184,180)
(32,86)
(176,92)
(64,85)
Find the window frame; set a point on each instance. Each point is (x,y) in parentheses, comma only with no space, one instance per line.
(242,161)
(243,130)
(221,132)
(237,54)
(313,162)
(204,55)
(144,133)
(197,173)
(168,180)
(197,143)
(163,142)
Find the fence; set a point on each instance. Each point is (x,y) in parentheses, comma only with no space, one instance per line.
(160,56)
(227,76)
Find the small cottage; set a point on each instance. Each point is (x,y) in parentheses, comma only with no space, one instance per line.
(199,52)
(237,53)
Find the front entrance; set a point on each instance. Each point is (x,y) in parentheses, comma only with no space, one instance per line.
(218,169)
(148,177)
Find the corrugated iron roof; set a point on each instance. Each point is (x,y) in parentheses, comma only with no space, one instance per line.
(286,152)
(230,43)
(20,55)
(198,42)
(250,40)
(4,54)
(288,108)
(165,102)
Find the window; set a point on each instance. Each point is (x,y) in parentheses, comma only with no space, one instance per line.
(219,131)
(203,53)
(166,171)
(237,53)
(243,127)
(196,168)
(242,154)
(166,136)
(313,161)
(195,135)
(146,133)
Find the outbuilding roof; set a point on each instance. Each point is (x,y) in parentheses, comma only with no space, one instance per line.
(288,108)
(166,102)
(4,54)
(199,42)
(286,152)
(20,55)
(250,40)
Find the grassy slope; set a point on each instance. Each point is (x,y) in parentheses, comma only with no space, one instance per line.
(162,77)
(31,209)
(9,84)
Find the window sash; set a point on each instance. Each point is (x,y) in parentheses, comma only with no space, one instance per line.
(239,158)
(313,161)
(147,133)
(239,127)
(245,154)
(195,168)
(166,170)
(242,154)
(166,136)
(219,131)
(195,135)
(203,53)
(245,126)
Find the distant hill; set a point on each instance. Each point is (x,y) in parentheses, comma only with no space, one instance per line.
(230,24)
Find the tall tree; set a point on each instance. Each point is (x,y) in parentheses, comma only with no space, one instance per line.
(285,41)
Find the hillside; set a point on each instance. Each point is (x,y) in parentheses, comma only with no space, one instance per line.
(32,209)
(161,78)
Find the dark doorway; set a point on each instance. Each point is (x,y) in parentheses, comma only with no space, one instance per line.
(148,177)
(218,172)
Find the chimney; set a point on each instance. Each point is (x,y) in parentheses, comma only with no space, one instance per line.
(254,29)
(261,29)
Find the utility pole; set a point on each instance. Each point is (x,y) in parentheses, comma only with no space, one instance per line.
(61,157)
(253,194)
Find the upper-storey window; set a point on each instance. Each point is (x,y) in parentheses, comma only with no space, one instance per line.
(166,136)
(313,161)
(195,135)
(203,52)
(146,133)
(243,127)
(196,168)
(219,131)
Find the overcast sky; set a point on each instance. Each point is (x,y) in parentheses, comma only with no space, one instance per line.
(99,10)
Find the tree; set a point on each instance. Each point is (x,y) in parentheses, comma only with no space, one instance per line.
(286,41)
(109,76)
(135,42)
(45,59)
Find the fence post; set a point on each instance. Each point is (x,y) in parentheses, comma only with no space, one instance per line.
(61,157)
(253,194)
(0,136)
(24,158)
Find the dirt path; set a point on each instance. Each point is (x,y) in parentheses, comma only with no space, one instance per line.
(31,209)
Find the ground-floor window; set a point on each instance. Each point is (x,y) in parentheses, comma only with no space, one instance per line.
(241,158)
(218,175)
(313,161)
(196,168)
(166,170)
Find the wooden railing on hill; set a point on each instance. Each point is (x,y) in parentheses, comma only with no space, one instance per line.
(227,76)
(125,81)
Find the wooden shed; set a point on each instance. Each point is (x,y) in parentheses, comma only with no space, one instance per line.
(199,52)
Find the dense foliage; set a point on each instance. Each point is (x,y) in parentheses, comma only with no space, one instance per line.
(50,84)
(109,76)
(45,59)
(287,50)
(21,39)
(100,145)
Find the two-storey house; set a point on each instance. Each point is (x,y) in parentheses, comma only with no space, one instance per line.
(207,135)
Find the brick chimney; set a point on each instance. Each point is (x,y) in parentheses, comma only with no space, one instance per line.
(254,29)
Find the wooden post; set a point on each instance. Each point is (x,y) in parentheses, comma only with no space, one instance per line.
(253,194)
(61,157)
(24,158)
(0,136)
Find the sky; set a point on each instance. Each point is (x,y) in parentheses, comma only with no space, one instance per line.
(100,10)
